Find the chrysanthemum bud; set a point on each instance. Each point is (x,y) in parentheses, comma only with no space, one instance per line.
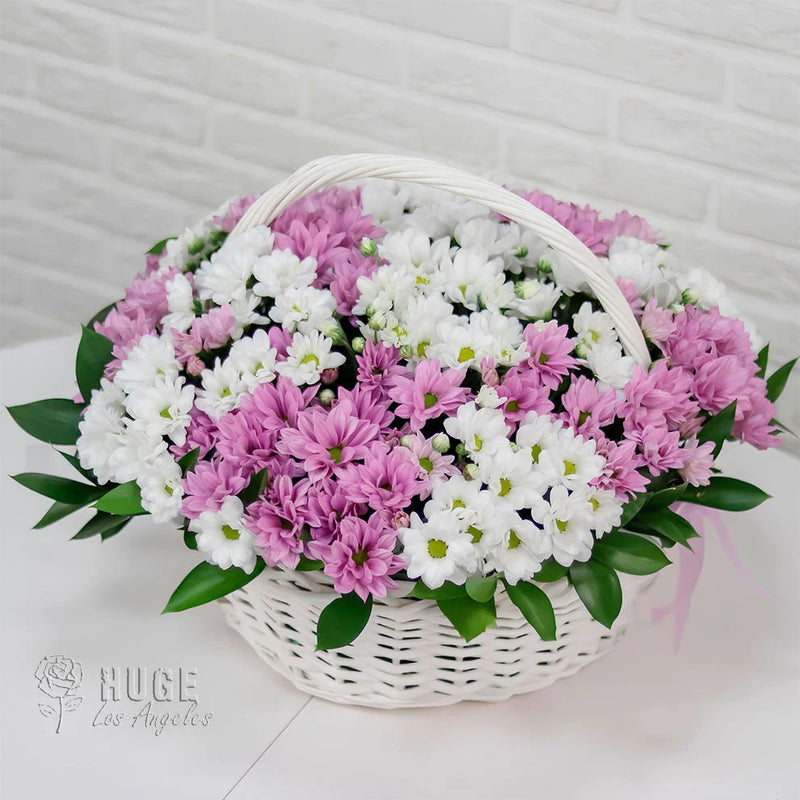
(470,471)
(461,451)
(521,251)
(329,375)
(333,330)
(326,397)
(368,247)
(406,351)
(406,440)
(543,265)
(440,442)
(358,344)
(526,289)
(195,246)
(377,321)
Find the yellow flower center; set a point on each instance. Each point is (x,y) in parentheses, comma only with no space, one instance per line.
(230,533)
(437,548)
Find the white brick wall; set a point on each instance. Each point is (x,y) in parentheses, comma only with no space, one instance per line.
(123,121)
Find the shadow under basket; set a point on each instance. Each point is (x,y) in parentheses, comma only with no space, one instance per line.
(409,655)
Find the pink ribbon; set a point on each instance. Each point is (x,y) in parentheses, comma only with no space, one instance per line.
(690,565)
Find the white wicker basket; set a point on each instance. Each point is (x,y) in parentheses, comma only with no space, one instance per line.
(409,654)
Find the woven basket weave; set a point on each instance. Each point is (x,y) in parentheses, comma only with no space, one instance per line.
(409,654)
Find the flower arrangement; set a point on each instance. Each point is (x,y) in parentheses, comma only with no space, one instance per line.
(388,383)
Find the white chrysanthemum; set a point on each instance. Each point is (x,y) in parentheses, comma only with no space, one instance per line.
(180,303)
(222,387)
(421,317)
(137,448)
(539,434)
(534,299)
(458,495)
(566,275)
(303,308)
(700,288)
(227,272)
(481,430)
(223,538)
(487,397)
(464,278)
(412,248)
(506,333)
(162,408)
(606,510)
(522,548)
(567,521)
(526,251)
(161,488)
(176,251)
(385,289)
(509,474)
(641,262)
(611,366)
(486,233)
(151,358)
(308,356)
(385,201)
(280,270)
(593,329)
(438,550)
(100,429)
(460,343)
(573,462)
(254,358)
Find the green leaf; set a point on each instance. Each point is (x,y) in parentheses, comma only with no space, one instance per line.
(666,523)
(158,248)
(207,582)
(481,589)
(633,507)
(447,591)
(777,381)
(761,361)
(599,590)
(101,315)
(76,464)
(100,523)
(551,571)
(187,461)
(535,606)
(56,512)
(189,538)
(718,428)
(666,497)
(728,494)
(114,530)
(54,421)
(94,352)
(342,620)
(780,425)
(629,553)
(57,488)
(306,564)
(122,500)
(469,617)
(256,487)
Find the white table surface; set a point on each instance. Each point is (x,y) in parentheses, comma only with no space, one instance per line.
(718,719)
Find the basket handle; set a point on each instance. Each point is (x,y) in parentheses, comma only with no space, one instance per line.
(325,172)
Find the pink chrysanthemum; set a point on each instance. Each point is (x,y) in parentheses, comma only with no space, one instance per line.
(659,397)
(328,505)
(208,484)
(658,324)
(327,441)
(278,521)
(587,408)
(698,460)
(428,393)
(433,465)
(361,559)
(549,348)
(620,474)
(387,481)
(521,391)
(659,447)
(378,365)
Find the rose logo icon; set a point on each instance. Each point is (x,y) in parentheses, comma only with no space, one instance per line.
(59,677)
